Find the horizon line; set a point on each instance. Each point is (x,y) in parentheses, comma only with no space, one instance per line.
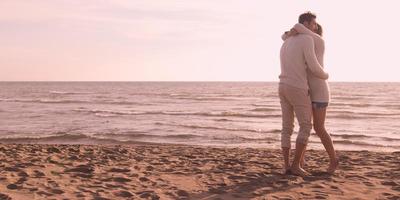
(210,81)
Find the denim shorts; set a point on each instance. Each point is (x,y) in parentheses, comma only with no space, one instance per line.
(319,104)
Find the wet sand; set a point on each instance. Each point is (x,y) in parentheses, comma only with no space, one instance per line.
(148,171)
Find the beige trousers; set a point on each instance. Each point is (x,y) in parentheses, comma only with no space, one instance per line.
(295,101)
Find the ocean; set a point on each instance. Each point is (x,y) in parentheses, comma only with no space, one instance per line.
(361,116)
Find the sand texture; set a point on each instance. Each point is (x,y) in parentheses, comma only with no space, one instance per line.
(37,171)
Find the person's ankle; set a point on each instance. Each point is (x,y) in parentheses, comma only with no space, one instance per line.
(302,163)
(296,166)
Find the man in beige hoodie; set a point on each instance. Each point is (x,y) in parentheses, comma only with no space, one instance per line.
(297,55)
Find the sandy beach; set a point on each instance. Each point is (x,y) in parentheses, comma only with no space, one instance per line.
(148,171)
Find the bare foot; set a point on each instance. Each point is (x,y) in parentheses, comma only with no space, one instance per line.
(287,171)
(303,163)
(299,171)
(333,166)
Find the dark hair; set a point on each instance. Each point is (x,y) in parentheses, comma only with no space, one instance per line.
(319,30)
(307,17)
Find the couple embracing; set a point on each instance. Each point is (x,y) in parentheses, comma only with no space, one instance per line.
(304,92)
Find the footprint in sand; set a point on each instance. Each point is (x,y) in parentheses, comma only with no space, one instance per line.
(80,195)
(334,187)
(320,197)
(21,180)
(12,169)
(73,150)
(367,183)
(149,168)
(119,170)
(32,189)
(148,194)
(53,150)
(73,157)
(86,169)
(121,179)
(123,193)
(318,186)
(82,175)
(99,198)
(56,191)
(13,187)
(144,179)
(182,193)
(389,183)
(22,174)
(38,174)
(43,193)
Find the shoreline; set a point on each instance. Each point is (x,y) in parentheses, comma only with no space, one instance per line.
(109,142)
(170,171)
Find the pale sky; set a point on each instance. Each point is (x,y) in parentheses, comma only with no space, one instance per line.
(189,40)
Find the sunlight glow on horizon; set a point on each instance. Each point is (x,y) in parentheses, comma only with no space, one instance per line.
(227,40)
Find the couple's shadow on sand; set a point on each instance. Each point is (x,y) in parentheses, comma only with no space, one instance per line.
(265,185)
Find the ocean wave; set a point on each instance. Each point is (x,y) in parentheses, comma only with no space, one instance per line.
(131,138)
(345,116)
(191,126)
(208,98)
(43,101)
(359,143)
(356,136)
(112,138)
(123,103)
(62,138)
(205,114)
(350,115)
(105,113)
(218,120)
(126,138)
(155,94)
(65,92)
(137,135)
(350,104)
(357,113)
(347,98)
(68,101)
(194,96)
(57,137)
(188,96)
(262,105)
(264,109)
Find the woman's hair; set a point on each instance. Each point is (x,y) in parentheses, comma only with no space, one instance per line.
(319,30)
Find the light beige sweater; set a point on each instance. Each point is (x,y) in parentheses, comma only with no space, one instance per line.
(319,88)
(297,55)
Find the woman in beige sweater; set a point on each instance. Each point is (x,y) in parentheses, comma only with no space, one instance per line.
(319,92)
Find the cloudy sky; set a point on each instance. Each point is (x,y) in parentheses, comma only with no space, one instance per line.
(191,40)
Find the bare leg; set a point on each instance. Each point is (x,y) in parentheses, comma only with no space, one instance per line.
(319,115)
(302,160)
(303,113)
(286,158)
(294,100)
(287,128)
(295,168)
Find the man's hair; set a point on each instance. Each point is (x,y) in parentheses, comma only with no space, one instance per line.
(307,17)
